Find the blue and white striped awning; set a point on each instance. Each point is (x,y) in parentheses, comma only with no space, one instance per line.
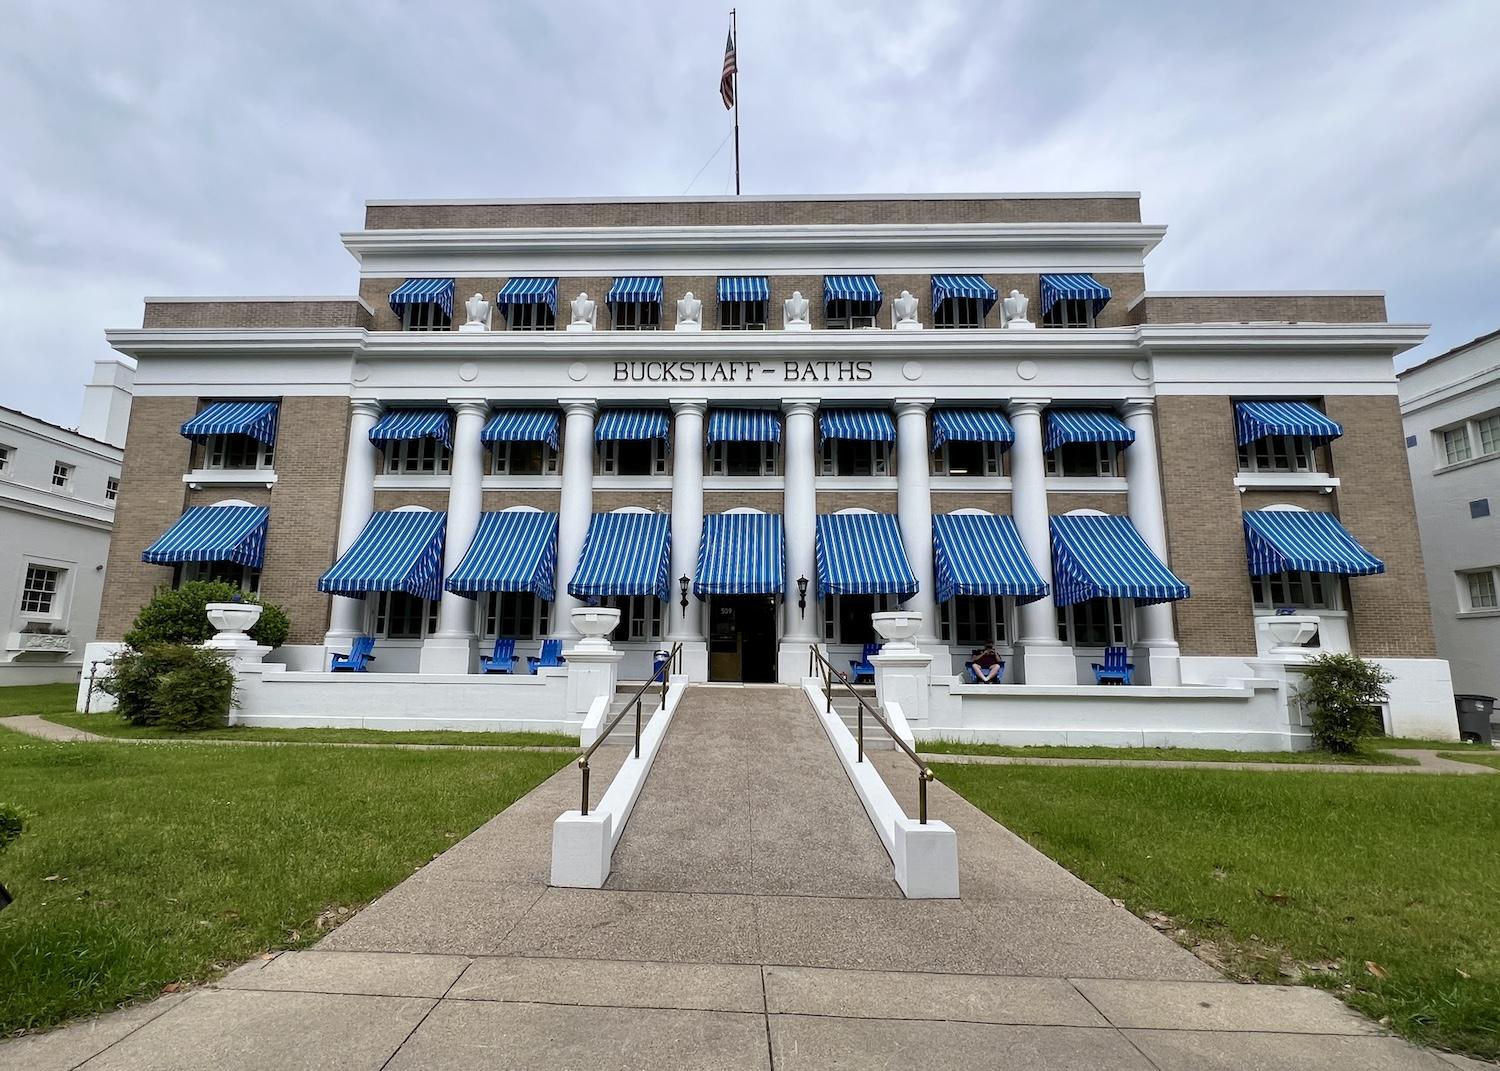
(624,425)
(966,286)
(398,550)
(851,288)
(522,426)
(635,288)
(1256,420)
(423,292)
(971,426)
(624,554)
(255,419)
(213,534)
(862,554)
(528,291)
(1076,287)
(981,554)
(744,288)
(399,425)
(1103,557)
(862,425)
(1085,426)
(744,426)
(513,550)
(1295,540)
(741,554)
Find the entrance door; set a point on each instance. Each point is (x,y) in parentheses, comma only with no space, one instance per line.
(742,638)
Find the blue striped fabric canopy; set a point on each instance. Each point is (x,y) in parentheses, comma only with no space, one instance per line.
(528,291)
(971,426)
(623,425)
(513,550)
(213,534)
(744,288)
(624,554)
(851,288)
(1085,426)
(398,425)
(423,291)
(255,419)
(970,286)
(398,550)
(981,554)
(1256,420)
(862,554)
(1282,540)
(522,426)
(863,425)
(741,554)
(1104,557)
(1076,287)
(635,288)
(744,426)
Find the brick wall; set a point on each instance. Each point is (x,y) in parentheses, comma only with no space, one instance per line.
(1060,502)
(1231,308)
(989,501)
(496,500)
(723,501)
(434,499)
(250,315)
(879,501)
(656,501)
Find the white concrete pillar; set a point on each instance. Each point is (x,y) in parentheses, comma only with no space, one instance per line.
(685,624)
(347,616)
(576,508)
(799,451)
(1043,658)
(1155,636)
(451,649)
(914,511)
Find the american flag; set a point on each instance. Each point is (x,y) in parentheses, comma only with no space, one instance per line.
(731,68)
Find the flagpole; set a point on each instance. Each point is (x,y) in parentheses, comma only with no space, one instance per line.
(735,33)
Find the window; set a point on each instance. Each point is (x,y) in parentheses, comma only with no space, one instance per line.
(62,476)
(530,316)
(742,459)
(742,315)
(1084,459)
(111,489)
(39,592)
(5,455)
(1477,591)
(1456,445)
(417,457)
(636,315)
(241,576)
(972,620)
(959,312)
(640,616)
(399,616)
(968,459)
(237,452)
(517,615)
(1489,433)
(1069,312)
(523,459)
(1093,623)
(846,618)
(853,457)
(425,316)
(1303,591)
(844,314)
(1279,453)
(633,457)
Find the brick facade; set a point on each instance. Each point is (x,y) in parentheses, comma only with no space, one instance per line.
(252,315)
(1246,308)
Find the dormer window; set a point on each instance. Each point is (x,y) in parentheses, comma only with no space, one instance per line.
(742,302)
(961,300)
(635,303)
(528,304)
(424,304)
(850,301)
(1072,301)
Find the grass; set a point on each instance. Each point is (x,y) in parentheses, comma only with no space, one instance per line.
(1492,759)
(142,868)
(113,725)
(1364,757)
(1381,889)
(37,699)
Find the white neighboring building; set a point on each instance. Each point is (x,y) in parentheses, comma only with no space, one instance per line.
(1450,407)
(57,508)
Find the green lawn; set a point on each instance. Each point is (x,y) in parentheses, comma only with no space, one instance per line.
(1486,757)
(1365,757)
(114,725)
(1382,889)
(145,866)
(37,699)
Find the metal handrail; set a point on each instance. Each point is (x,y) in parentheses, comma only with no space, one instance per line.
(924,772)
(664,671)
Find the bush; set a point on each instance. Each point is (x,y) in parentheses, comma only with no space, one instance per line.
(175,687)
(177,616)
(1343,693)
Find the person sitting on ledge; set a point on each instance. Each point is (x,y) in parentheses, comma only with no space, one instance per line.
(988,667)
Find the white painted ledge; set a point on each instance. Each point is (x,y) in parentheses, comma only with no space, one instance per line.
(230,478)
(1286,481)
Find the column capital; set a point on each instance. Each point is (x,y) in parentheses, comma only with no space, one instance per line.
(907,405)
(806,406)
(1137,407)
(473,406)
(1028,406)
(579,405)
(689,405)
(365,407)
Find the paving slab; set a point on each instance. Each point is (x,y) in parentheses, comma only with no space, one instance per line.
(677,927)
(380,974)
(66,1048)
(1223,1005)
(1193,1050)
(437,915)
(609,983)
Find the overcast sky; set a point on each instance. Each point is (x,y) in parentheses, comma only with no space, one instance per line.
(157,147)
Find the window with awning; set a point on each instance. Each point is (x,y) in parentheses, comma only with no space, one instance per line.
(1096,556)
(743,302)
(255,420)
(635,302)
(424,304)
(961,300)
(741,554)
(528,303)
(977,425)
(982,554)
(862,554)
(213,534)
(624,554)
(850,300)
(1295,540)
(512,550)
(1072,299)
(744,426)
(1085,426)
(397,550)
(409,425)
(1260,420)
(633,425)
(522,426)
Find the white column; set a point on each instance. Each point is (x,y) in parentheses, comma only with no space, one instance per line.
(914,510)
(576,508)
(685,625)
(799,516)
(451,649)
(1043,658)
(1155,637)
(347,616)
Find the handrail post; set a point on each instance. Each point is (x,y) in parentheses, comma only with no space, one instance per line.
(583,764)
(638,727)
(861,733)
(923,776)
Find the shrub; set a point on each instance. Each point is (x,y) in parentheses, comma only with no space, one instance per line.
(1343,693)
(177,616)
(176,687)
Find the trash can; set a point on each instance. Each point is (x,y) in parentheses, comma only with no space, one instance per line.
(661,657)
(1474,718)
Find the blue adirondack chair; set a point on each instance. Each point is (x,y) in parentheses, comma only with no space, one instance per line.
(502,660)
(1115,669)
(974,677)
(551,656)
(860,668)
(356,661)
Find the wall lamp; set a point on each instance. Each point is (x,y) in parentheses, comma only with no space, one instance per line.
(802,595)
(683,586)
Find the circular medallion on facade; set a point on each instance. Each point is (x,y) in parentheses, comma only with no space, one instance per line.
(912,369)
(361,371)
(468,371)
(1026,369)
(577,370)
(1141,370)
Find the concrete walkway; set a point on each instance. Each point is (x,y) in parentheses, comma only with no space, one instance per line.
(785,949)
(39,727)
(1428,762)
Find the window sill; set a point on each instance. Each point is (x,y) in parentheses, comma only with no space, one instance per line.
(1107,484)
(201,478)
(1302,611)
(1470,463)
(1466,615)
(1286,481)
(515,483)
(970,483)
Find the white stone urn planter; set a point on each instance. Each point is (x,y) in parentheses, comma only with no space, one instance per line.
(1287,633)
(234,620)
(595,623)
(896,628)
